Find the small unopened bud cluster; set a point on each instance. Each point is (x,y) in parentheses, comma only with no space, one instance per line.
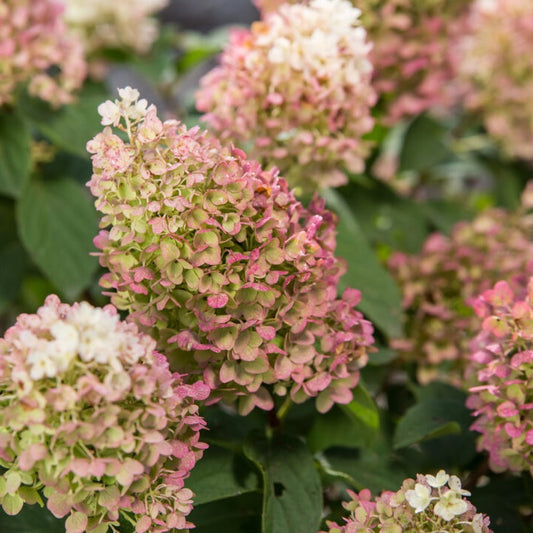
(431,503)
(124,24)
(92,419)
(495,60)
(218,260)
(297,86)
(33,40)
(502,359)
(440,283)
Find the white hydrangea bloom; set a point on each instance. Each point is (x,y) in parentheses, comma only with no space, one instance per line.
(439,480)
(110,113)
(321,29)
(42,363)
(450,505)
(65,345)
(419,498)
(455,484)
(129,107)
(88,333)
(113,24)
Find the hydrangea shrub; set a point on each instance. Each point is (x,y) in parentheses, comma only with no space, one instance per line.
(33,42)
(296,89)
(495,61)
(441,282)
(502,360)
(216,258)
(92,419)
(429,503)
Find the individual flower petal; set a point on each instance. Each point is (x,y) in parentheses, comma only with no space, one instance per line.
(439,480)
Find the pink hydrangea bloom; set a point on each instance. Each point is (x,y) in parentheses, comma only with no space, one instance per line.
(101,24)
(495,60)
(33,40)
(429,503)
(440,283)
(297,86)
(92,418)
(502,360)
(414,66)
(216,258)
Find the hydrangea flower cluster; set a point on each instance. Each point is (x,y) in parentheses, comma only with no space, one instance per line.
(411,53)
(33,40)
(103,24)
(216,258)
(413,64)
(431,504)
(440,283)
(92,418)
(495,60)
(297,85)
(502,358)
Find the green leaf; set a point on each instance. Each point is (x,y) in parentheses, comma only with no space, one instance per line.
(352,425)
(229,429)
(363,408)
(221,474)
(424,145)
(12,268)
(381,298)
(386,218)
(32,519)
(383,356)
(444,214)
(234,515)
(8,223)
(440,410)
(15,153)
(374,469)
(71,126)
(57,223)
(292,497)
(336,428)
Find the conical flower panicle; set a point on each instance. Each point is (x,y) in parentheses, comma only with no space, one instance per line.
(216,258)
(494,59)
(296,86)
(33,41)
(414,62)
(122,24)
(92,418)
(502,361)
(441,282)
